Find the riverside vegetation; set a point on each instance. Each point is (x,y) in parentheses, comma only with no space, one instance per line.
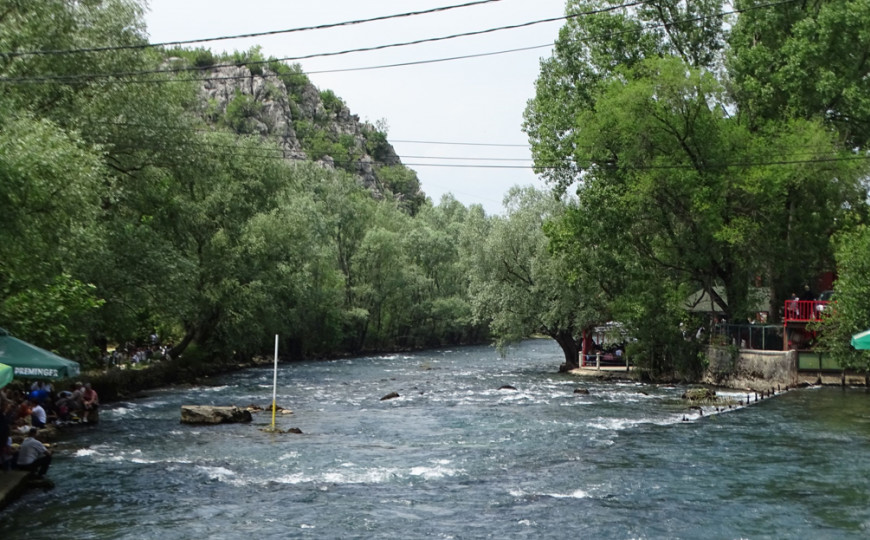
(218,200)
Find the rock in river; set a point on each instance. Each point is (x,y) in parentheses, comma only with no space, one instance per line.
(209,414)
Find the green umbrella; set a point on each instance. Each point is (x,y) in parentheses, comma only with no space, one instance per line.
(30,361)
(861,340)
(5,375)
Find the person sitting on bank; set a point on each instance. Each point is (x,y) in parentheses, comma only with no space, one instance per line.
(76,402)
(24,410)
(33,456)
(38,416)
(39,393)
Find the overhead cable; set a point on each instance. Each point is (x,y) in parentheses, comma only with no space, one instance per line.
(241,36)
(276,153)
(326,54)
(88,77)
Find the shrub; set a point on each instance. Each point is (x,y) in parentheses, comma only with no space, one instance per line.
(376,144)
(203,59)
(241,111)
(331,102)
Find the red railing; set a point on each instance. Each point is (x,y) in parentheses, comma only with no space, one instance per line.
(804,310)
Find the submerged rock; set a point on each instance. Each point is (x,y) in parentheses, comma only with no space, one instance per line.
(581,390)
(507,387)
(209,414)
(699,394)
(391,395)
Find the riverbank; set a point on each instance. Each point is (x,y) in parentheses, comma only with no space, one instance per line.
(12,484)
(605,373)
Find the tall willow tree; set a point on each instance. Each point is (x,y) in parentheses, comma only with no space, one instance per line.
(53,175)
(49,206)
(519,285)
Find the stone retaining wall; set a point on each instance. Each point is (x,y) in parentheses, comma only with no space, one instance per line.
(759,370)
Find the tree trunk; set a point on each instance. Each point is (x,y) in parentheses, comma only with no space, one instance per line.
(569,348)
(179,348)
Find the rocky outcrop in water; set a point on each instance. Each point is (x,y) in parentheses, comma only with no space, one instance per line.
(209,414)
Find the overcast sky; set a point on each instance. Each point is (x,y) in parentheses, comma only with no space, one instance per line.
(476,100)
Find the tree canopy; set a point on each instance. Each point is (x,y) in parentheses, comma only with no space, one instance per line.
(689,175)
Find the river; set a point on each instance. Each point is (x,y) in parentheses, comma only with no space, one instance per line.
(457,457)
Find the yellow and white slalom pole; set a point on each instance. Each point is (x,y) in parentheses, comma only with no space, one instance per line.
(275,385)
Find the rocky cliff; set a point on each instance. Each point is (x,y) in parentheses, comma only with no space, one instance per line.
(278,102)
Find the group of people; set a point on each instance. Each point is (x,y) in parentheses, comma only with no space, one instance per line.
(25,413)
(130,354)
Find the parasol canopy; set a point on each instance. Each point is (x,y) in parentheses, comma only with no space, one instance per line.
(5,375)
(29,361)
(861,340)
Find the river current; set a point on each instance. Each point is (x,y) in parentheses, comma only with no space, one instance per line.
(455,456)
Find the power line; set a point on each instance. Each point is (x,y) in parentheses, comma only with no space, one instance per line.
(267,153)
(87,77)
(240,36)
(460,143)
(433,61)
(280,153)
(327,54)
(457,158)
(73,78)
(413,141)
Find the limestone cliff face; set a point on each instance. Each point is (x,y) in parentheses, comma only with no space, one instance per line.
(292,111)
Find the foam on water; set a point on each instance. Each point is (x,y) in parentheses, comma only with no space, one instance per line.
(431,473)
(577,494)
(620,424)
(221,474)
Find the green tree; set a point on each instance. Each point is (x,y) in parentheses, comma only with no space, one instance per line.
(850,312)
(58,317)
(806,60)
(49,205)
(403,183)
(674,187)
(519,285)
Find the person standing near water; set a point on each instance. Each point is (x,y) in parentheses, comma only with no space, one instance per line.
(91,403)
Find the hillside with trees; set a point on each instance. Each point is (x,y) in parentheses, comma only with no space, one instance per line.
(214,200)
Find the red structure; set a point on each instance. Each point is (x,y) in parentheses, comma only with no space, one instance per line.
(796,315)
(803,310)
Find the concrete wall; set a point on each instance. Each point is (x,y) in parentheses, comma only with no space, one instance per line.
(758,370)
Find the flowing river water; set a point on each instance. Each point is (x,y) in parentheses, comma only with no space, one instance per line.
(456,457)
